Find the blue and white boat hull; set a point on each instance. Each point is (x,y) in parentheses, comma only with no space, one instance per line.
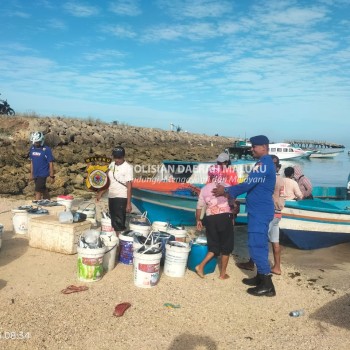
(313,224)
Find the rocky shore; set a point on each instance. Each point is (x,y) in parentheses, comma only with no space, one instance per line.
(74,140)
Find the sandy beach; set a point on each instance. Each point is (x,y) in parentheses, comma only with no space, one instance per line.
(213,314)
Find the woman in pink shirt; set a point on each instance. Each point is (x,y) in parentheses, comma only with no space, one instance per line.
(218,224)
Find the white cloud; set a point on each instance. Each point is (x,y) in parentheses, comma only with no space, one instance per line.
(119,31)
(125,7)
(194,31)
(20,14)
(79,10)
(196,8)
(56,24)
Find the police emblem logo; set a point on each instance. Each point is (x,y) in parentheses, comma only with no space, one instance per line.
(97,178)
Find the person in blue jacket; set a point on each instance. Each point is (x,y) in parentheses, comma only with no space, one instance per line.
(41,165)
(259,186)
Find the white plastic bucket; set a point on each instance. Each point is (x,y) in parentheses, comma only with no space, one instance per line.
(20,221)
(90,264)
(126,249)
(106,227)
(143,229)
(159,226)
(179,234)
(176,256)
(109,259)
(146,269)
(66,201)
(1,232)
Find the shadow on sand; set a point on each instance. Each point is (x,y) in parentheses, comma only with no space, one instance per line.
(13,247)
(336,312)
(2,284)
(190,342)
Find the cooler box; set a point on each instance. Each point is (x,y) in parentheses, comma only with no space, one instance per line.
(46,232)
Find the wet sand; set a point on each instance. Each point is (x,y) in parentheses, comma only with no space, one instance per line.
(213,314)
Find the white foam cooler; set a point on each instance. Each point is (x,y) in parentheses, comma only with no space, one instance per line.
(47,233)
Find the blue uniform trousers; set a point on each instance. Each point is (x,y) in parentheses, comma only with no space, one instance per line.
(258,241)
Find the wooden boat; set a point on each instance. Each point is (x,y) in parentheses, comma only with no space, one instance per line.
(167,187)
(316,223)
(177,209)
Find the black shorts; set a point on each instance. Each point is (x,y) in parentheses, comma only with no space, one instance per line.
(117,211)
(219,229)
(40,184)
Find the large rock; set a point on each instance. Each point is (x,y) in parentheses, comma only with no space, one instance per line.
(74,140)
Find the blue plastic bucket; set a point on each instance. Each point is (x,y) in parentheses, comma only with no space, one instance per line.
(196,256)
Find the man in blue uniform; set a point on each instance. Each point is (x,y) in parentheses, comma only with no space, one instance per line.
(41,165)
(259,186)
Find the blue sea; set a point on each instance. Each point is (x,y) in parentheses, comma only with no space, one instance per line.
(324,171)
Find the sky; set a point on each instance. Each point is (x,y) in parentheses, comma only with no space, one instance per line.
(230,67)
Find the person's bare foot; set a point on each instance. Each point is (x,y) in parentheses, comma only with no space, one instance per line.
(276,271)
(224,277)
(199,271)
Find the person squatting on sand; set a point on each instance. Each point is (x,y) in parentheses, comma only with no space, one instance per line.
(120,175)
(41,165)
(274,234)
(218,222)
(260,207)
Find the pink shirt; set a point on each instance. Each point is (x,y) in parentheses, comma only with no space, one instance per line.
(214,205)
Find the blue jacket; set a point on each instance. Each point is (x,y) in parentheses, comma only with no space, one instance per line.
(259,186)
(41,157)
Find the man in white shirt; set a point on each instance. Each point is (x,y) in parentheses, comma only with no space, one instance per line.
(120,175)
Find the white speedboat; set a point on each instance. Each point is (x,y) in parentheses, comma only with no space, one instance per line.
(287,151)
(330,153)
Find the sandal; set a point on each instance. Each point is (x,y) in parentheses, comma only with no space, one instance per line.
(120,309)
(74,289)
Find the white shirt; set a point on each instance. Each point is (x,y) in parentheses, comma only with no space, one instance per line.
(122,173)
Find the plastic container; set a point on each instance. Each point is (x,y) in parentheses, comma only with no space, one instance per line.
(45,232)
(20,221)
(176,259)
(196,256)
(106,227)
(90,264)
(126,240)
(143,228)
(297,313)
(163,238)
(146,268)
(65,217)
(66,201)
(1,233)
(179,233)
(109,258)
(160,225)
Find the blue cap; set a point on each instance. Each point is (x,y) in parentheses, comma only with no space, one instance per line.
(259,140)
